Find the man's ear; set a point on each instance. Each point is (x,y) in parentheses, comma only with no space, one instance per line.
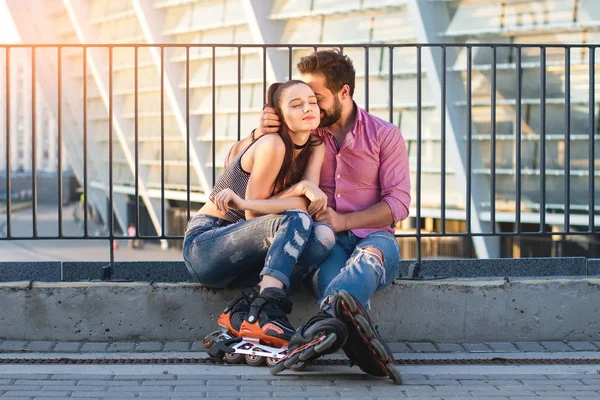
(344,92)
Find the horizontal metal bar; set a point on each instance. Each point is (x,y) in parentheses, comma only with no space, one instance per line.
(408,235)
(298,45)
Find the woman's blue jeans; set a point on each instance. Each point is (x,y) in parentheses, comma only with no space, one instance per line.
(219,253)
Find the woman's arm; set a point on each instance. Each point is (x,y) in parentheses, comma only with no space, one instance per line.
(267,160)
(312,174)
(309,185)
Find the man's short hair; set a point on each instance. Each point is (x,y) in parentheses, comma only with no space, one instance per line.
(336,68)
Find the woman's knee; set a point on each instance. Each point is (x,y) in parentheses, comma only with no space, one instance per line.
(204,274)
(324,235)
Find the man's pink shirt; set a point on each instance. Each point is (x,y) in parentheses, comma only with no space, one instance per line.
(370,166)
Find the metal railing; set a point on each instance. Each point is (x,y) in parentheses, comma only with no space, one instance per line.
(431,59)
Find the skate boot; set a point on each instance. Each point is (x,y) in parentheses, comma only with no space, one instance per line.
(322,334)
(364,347)
(231,318)
(265,332)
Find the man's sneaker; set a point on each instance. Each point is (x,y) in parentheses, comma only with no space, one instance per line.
(320,335)
(267,318)
(364,347)
(234,314)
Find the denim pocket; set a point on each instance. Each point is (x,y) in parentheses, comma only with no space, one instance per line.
(198,225)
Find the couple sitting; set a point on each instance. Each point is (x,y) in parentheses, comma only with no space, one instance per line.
(310,197)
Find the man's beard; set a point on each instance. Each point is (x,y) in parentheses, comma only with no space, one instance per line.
(330,117)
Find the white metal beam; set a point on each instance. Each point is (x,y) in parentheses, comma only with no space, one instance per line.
(24,11)
(427,18)
(77,10)
(264,30)
(150,20)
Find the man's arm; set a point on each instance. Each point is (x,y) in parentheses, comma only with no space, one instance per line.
(394,179)
(376,216)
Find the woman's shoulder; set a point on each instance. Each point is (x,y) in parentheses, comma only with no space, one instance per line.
(272,142)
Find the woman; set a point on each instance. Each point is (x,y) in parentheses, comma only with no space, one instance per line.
(252,219)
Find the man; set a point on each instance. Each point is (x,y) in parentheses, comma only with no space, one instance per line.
(366,180)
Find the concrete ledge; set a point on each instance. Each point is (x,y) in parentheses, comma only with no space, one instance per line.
(500,267)
(175,271)
(438,310)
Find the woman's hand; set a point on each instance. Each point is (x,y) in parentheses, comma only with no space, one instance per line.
(318,199)
(227,199)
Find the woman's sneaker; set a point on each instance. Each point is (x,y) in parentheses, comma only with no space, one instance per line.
(364,347)
(267,318)
(320,335)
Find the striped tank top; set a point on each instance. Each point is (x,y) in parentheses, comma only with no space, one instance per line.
(235,178)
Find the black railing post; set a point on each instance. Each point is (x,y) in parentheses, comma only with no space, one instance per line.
(419,150)
(33,142)
(8,145)
(543,140)
(592,123)
(567,138)
(518,142)
(111,232)
(493,141)
(59,140)
(187,131)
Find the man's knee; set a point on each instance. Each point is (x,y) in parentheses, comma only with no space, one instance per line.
(375,252)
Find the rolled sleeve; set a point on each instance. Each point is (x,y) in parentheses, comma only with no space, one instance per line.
(394,174)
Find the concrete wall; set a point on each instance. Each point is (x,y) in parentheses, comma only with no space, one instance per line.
(441,310)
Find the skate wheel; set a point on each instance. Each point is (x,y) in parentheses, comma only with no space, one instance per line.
(254,361)
(364,325)
(307,353)
(393,373)
(349,300)
(277,368)
(233,358)
(379,349)
(292,360)
(327,343)
(301,366)
(272,361)
(207,343)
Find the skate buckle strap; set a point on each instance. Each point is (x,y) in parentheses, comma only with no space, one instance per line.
(284,304)
(222,347)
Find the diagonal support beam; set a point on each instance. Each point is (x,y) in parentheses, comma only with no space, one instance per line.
(265,30)
(150,20)
(77,10)
(24,11)
(427,18)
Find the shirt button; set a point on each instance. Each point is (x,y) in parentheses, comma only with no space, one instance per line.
(338,176)
(338,195)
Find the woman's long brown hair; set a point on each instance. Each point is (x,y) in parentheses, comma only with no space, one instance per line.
(292,169)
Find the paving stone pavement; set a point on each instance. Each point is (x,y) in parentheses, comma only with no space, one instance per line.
(196,346)
(246,383)
(202,381)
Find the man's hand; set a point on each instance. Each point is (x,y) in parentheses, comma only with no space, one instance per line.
(269,121)
(336,221)
(318,199)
